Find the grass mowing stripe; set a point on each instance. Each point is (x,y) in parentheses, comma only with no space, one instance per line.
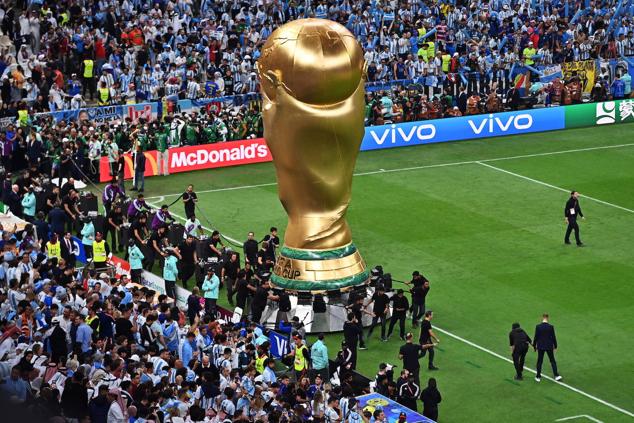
(565,385)
(553,186)
(405,169)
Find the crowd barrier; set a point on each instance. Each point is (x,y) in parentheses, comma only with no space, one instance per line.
(232,153)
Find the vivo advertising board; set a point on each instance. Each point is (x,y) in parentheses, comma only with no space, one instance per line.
(463,128)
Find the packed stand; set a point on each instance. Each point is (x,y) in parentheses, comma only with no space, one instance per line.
(89,343)
(58,56)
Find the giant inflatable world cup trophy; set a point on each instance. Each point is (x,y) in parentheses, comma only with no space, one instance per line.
(312,79)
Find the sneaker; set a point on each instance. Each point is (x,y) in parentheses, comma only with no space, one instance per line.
(384,339)
(518,377)
(567,242)
(433,368)
(538,379)
(402,338)
(133,189)
(558,378)
(580,244)
(363,347)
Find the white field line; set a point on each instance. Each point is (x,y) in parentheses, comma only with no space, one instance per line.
(565,385)
(480,162)
(580,416)
(405,169)
(517,175)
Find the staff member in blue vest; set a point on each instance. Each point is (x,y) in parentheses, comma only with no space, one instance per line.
(170,272)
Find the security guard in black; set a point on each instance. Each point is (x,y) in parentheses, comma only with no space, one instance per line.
(571,212)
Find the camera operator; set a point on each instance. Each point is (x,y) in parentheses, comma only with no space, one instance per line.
(260,298)
(110,194)
(162,218)
(229,275)
(193,228)
(137,206)
(213,244)
(52,198)
(139,232)
(189,258)
(156,244)
(264,263)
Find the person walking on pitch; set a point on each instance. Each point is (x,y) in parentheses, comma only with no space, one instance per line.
(519,341)
(545,342)
(571,212)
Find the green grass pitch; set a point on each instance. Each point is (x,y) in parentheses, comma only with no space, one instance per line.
(483,220)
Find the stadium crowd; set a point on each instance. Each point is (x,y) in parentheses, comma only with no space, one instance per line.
(58,55)
(457,58)
(86,344)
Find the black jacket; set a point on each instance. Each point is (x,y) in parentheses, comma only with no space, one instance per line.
(519,339)
(545,338)
(572,204)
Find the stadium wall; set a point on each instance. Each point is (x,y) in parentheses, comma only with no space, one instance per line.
(233,153)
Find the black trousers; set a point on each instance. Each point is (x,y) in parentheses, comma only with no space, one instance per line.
(375,320)
(540,361)
(170,289)
(397,318)
(518,360)
(210,306)
(187,271)
(572,225)
(418,310)
(230,283)
(430,352)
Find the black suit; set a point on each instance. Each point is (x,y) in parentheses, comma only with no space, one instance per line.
(520,341)
(571,211)
(67,251)
(545,341)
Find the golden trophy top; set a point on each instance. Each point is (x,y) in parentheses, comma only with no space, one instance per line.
(318,61)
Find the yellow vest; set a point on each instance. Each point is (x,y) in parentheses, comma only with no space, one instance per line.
(259,364)
(528,54)
(88,66)
(104,96)
(89,320)
(300,360)
(23,117)
(99,251)
(54,250)
(446,59)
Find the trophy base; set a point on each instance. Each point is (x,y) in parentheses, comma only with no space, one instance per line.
(319,313)
(319,270)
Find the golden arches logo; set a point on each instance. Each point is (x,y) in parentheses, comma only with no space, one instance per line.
(150,158)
